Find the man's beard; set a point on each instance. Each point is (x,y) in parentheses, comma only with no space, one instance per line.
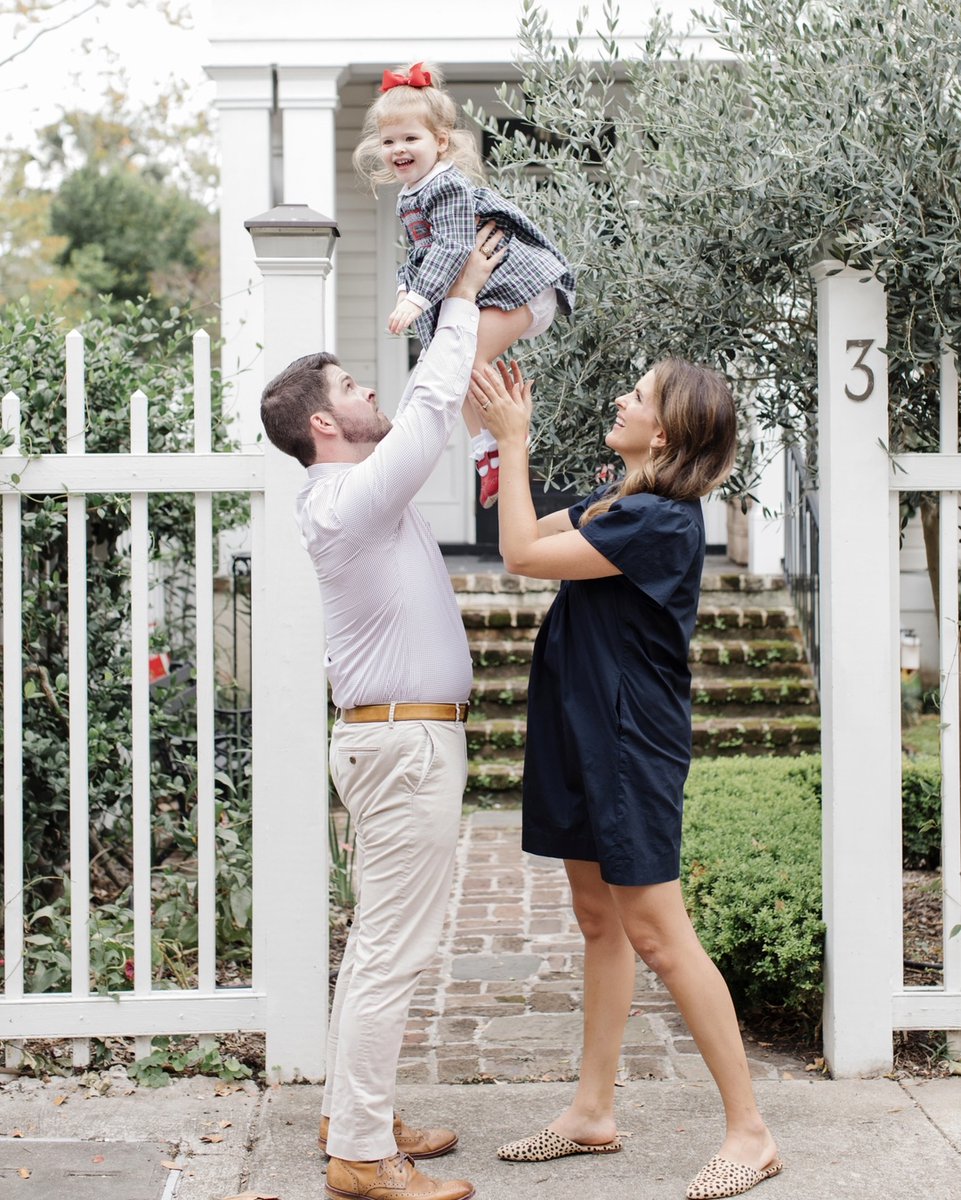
(366,430)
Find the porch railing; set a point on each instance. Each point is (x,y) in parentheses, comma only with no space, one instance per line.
(801,553)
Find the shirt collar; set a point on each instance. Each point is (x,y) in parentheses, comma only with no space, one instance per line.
(319,470)
(437,169)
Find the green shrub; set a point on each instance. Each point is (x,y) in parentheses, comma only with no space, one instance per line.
(125,347)
(921,812)
(751,870)
(751,873)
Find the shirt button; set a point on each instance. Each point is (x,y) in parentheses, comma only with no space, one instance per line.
(352,759)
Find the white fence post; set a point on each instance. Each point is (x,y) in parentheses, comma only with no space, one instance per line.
(860,709)
(289,685)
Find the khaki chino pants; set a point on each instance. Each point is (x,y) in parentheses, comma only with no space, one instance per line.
(402,784)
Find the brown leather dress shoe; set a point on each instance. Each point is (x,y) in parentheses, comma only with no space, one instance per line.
(415,1143)
(390,1179)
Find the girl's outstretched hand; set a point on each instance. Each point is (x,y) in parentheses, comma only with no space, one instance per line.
(502,399)
(405,313)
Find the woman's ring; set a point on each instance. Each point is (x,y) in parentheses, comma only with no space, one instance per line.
(486,406)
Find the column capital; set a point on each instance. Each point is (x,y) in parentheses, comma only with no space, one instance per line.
(243,87)
(309,87)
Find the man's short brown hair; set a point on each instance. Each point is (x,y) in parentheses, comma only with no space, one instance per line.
(291,399)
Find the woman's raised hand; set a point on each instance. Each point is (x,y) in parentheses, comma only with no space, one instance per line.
(502,399)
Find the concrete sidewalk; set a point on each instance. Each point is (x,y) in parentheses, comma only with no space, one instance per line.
(878,1138)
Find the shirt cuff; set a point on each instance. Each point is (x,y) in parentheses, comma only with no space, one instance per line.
(416,298)
(456,311)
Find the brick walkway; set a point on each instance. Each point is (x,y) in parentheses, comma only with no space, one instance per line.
(502,1000)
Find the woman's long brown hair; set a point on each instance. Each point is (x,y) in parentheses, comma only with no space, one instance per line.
(696,411)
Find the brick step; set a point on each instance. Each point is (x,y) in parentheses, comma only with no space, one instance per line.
(496,737)
(720,621)
(741,581)
(493,737)
(501,773)
(774,656)
(497,648)
(509,692)
(499,583)
(503,613)
(723,621)
(750,694)
(782,736)
(757,654)
(499,779)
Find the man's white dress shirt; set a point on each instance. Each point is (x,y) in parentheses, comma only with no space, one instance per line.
(394,631)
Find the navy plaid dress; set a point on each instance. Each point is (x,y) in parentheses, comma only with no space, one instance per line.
(440,218)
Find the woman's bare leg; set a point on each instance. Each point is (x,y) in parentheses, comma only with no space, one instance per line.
(497,330)
(660,930)
(609,967)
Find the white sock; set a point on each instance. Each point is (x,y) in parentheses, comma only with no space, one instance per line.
(481,443)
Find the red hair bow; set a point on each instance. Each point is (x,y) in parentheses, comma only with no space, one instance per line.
(418,77)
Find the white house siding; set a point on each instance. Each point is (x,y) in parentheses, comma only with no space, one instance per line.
(327,61)
(356,254)
(917,602)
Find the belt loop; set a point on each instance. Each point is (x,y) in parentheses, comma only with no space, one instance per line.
(390,713)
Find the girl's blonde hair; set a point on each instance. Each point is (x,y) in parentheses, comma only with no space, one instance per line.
(434,108)
(696,411)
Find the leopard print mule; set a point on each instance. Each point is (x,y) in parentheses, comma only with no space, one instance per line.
(721,1178)
(547,1144)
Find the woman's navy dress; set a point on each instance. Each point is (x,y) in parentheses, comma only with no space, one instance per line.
(609,702)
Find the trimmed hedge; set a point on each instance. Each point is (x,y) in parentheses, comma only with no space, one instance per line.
(751,870)
(921,814)
(751,874)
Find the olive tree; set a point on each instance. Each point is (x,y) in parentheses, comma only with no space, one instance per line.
(693,193)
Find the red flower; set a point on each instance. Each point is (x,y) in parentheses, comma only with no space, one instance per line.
(128,969)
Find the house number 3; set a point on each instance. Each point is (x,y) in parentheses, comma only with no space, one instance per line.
(864,345)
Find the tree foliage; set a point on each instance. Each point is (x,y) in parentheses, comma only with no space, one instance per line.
(122,229)
(694,195)
(126,348)
(116,199)
(112,203)
(26,22)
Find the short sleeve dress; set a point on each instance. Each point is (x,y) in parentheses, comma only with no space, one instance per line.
(609,700)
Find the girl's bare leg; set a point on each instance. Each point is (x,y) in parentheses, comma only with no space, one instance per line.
(497,330)
(609,966)
(660,930)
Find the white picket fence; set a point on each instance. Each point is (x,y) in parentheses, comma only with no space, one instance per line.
(860,486)
(287,995)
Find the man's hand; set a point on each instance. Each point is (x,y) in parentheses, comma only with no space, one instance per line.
(485,256)
(405,313)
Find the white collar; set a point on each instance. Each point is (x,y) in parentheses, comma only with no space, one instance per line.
(437,169)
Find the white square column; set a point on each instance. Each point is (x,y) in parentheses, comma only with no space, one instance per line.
(244,102)
(861,737)
(308,98)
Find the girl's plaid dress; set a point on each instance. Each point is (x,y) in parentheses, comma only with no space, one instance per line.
(441,214)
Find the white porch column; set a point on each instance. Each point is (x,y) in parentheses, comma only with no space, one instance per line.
(308,98)
(244,102)
(290,689)
(766,532)
(859,698)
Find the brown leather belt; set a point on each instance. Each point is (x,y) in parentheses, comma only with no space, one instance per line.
(406,712)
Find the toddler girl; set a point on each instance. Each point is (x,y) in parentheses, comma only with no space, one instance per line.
(411,137)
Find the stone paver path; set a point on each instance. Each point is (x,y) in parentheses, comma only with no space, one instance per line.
(502,1000)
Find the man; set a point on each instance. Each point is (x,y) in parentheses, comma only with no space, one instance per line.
(400,674)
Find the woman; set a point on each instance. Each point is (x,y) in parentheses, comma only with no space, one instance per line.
(609,734)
